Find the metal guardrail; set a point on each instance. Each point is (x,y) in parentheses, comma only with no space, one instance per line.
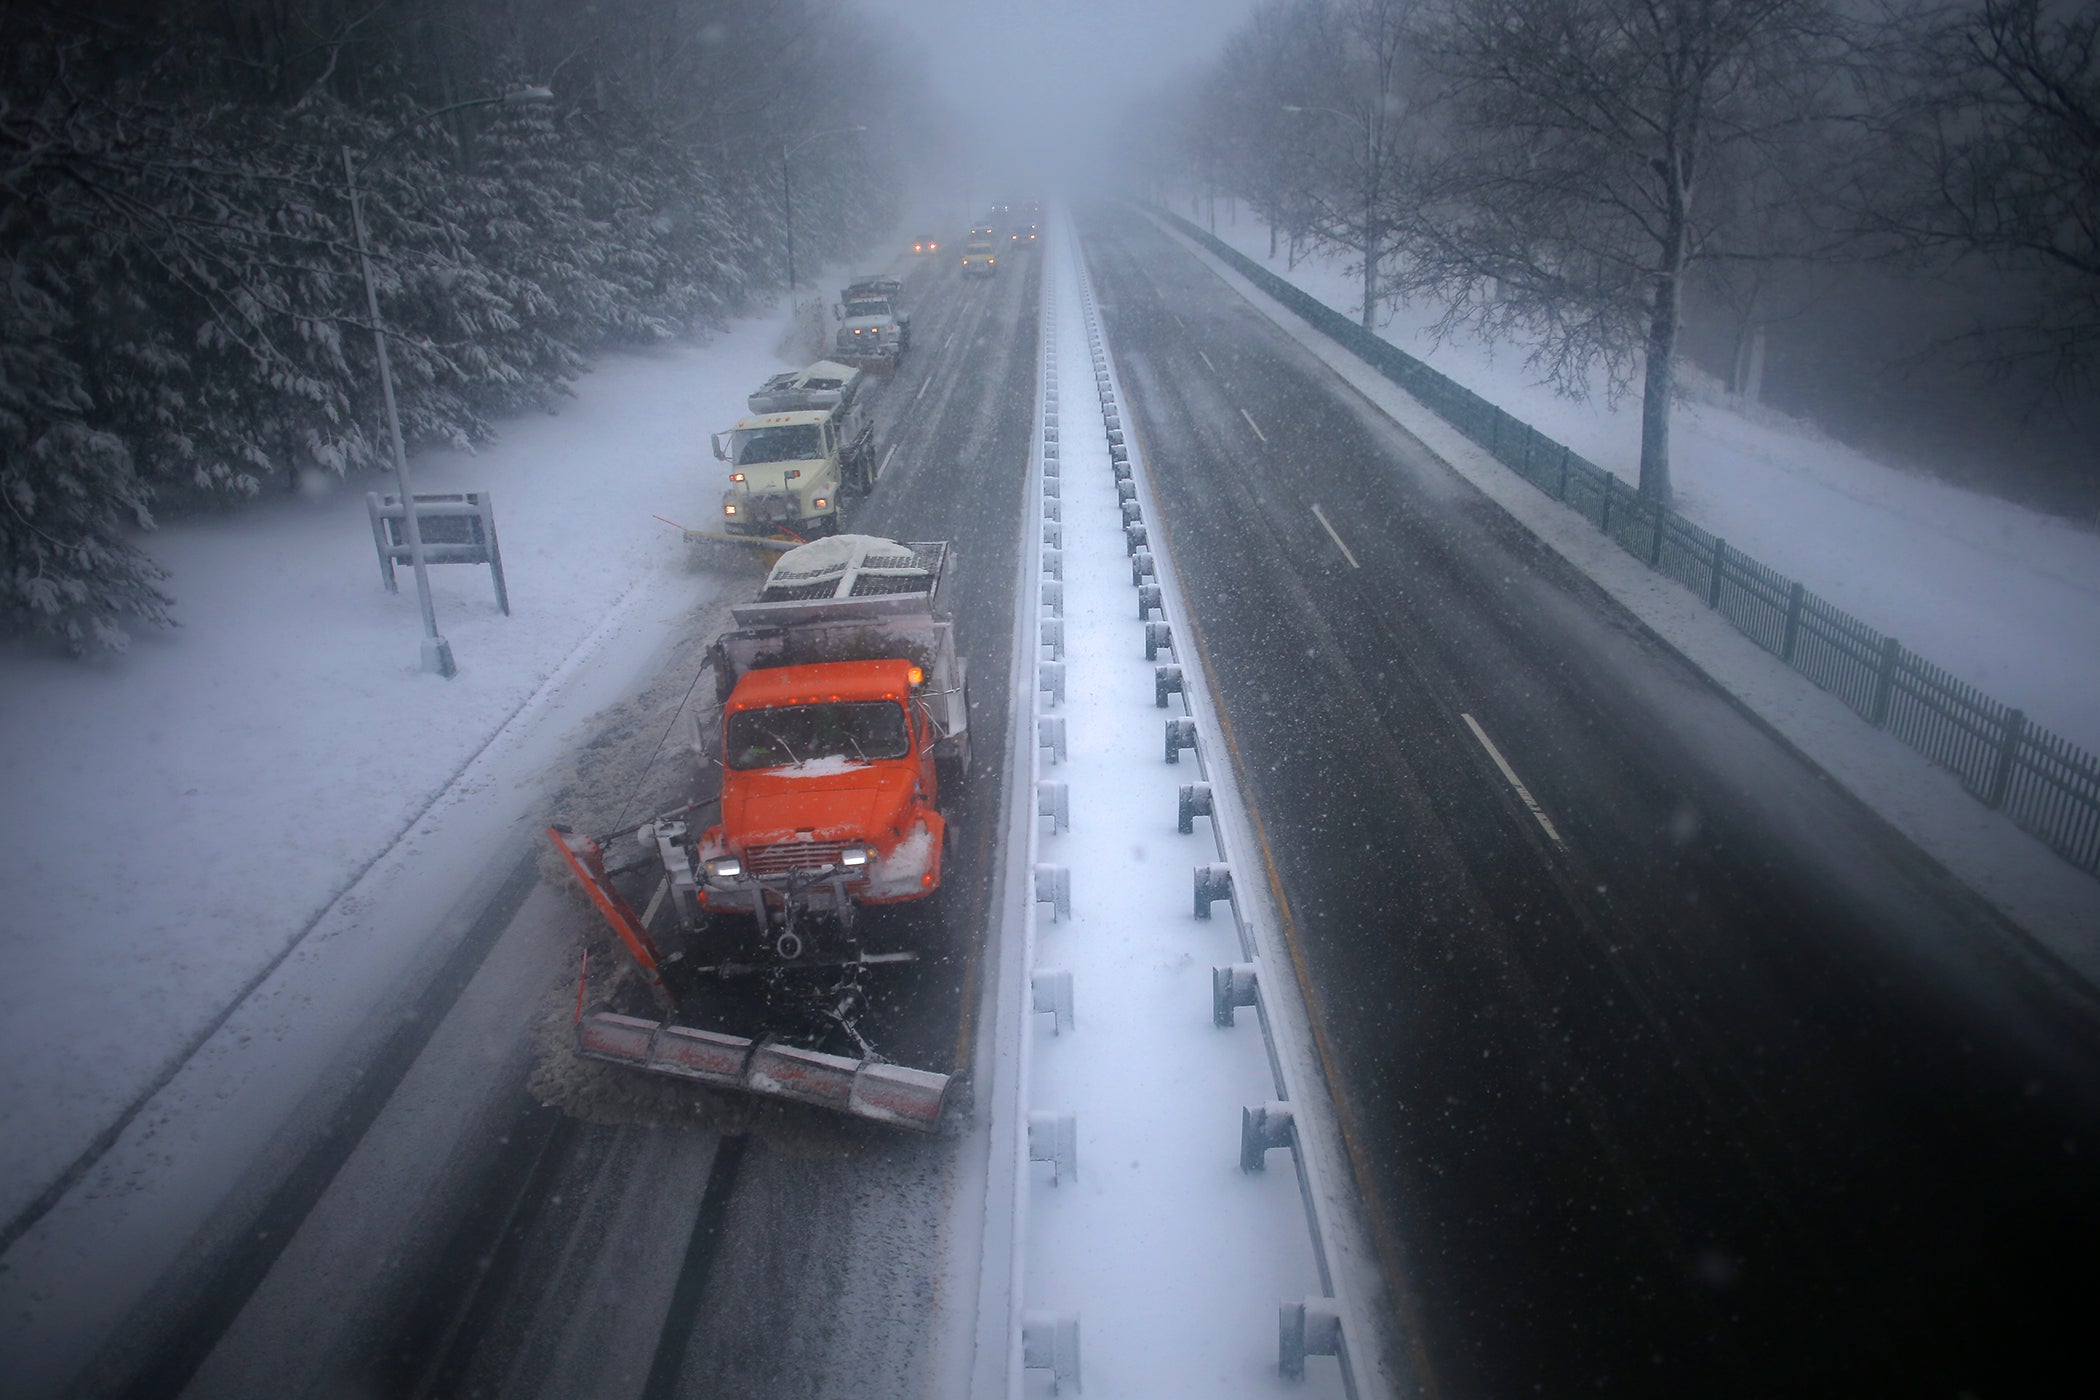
(1324,1324)
(2049,786)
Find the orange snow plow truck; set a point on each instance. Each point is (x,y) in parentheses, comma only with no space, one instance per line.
(844,720)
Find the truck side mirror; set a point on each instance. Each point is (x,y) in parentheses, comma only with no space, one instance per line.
(721,453)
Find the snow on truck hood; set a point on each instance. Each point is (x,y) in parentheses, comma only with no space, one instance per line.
(833,799)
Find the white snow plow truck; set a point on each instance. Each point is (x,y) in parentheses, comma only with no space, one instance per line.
(844,725)
(806,443)
(872,331)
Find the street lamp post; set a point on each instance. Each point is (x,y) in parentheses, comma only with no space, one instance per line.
(1370,177)
(437,652)
(787,194)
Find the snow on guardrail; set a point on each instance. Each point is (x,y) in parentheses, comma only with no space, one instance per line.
(1154,1242)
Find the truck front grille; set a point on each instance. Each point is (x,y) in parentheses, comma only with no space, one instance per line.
(793,857)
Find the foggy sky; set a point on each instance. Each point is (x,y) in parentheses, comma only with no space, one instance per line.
(1038,83)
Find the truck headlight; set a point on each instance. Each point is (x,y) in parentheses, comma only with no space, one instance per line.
(854,857)
(729,510)
(724,868)
(822,504)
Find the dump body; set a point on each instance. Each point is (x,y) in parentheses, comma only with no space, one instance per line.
(806,443)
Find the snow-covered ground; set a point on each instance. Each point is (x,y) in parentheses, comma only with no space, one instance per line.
(178,818)
(2005,597)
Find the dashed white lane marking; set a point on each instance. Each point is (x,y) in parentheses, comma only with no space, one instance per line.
(924,385)
(1250,419)
(1321,516)
(887,455)
(1206,360)
(1514,781)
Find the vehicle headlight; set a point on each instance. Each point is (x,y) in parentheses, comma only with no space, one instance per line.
(821,504)
(724,868)
(855,857)
(729,510)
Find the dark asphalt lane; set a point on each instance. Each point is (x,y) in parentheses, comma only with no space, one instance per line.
(1725,1091)
(552,1257)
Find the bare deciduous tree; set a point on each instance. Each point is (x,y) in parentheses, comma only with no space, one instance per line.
(1986,115)
(1573,199)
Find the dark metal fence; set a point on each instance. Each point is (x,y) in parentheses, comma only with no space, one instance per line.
(2047,784)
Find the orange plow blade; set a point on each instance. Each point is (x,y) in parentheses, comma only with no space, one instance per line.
(885,1093)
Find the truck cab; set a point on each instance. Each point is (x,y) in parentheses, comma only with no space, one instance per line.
(979,257)
(806,442)
(871,328)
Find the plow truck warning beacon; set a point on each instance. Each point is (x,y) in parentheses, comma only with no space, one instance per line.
(844,722)
(806,443)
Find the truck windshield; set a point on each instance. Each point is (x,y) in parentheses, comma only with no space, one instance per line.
(857,309)
(799,442)
(857,729)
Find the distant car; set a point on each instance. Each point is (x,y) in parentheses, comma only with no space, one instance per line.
(977,258)
(925,245)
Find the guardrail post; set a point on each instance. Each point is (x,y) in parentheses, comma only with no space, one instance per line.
(1050,1342)
(1053,487)
(1126,489)
(1050,991)
(1181,734)
(1054,563)
(1117,452)
(2008,752)
(1053,799)
(1054,596)
(1166,680)
(1213,882)
(1793,622)
(1312,1327)
(1132,512)
(1141,568)
(1054,1138)
(1134,538)
(1149,601)
(1050,679)
(1053,886)
(1053,509)
(1050,734)
(1053,534)
(1885,682)
(1195,802)
(1262,1128)
(1231,986)
(1720,571)
(1159,637)
(1655,546)
(1052,632)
